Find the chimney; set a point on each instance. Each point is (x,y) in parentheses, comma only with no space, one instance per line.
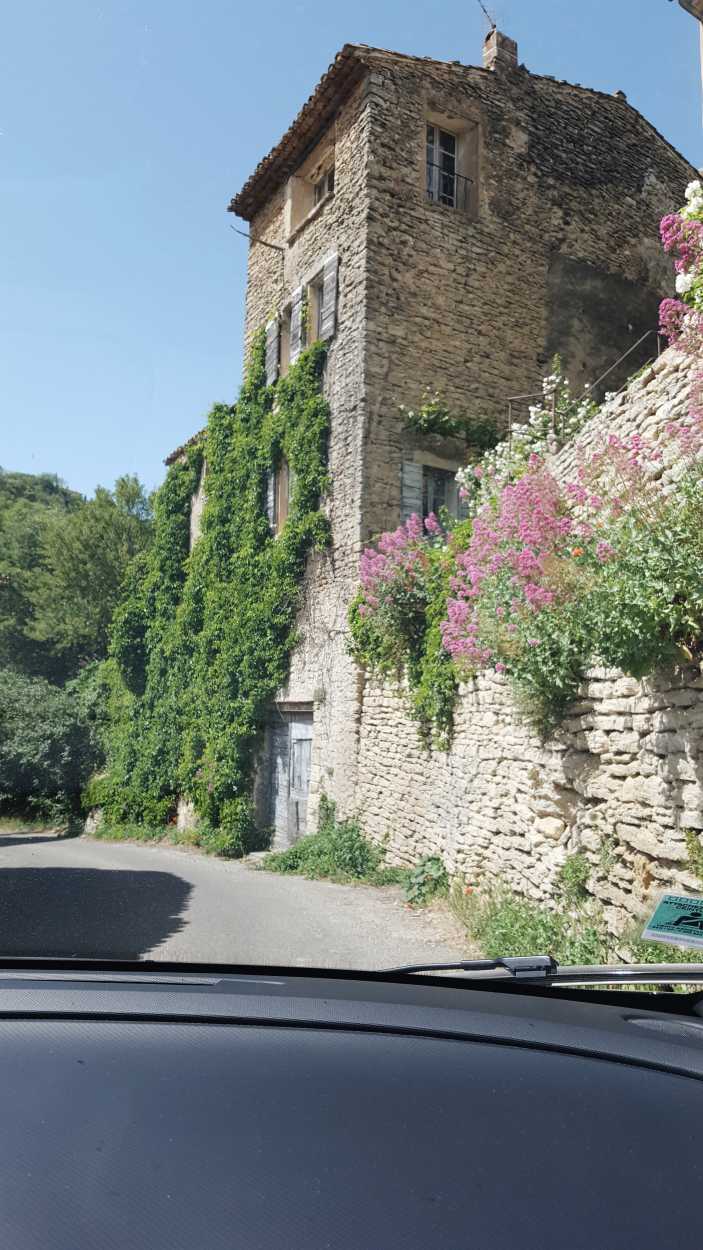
(499,52)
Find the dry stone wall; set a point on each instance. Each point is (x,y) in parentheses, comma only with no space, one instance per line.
(621,780)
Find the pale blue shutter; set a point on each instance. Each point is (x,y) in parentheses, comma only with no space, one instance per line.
(273,339)
(296,324)
(328,305)
(410,489)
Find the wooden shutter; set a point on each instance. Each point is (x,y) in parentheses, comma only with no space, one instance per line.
(328,305)
(296,324)
(270,497)
(410,489)
(273,350)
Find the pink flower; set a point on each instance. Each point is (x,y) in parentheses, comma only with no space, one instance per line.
(604,551)
(432,525)
(500,667)
(478,472)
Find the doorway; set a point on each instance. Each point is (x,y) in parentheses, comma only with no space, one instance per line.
(288,765)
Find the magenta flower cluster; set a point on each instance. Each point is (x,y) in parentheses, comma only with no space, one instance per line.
(398,561)
(506,564)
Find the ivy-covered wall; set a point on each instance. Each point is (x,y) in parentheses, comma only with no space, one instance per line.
(202,640)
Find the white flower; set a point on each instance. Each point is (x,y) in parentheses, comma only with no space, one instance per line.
(684,282)
(694,189)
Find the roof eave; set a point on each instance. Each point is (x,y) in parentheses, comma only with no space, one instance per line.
(347,69)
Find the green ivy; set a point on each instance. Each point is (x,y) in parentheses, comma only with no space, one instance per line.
(202,639)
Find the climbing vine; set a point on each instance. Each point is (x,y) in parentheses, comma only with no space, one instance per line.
(202,639)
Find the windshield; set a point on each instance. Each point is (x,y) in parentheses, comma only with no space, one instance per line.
(351,516)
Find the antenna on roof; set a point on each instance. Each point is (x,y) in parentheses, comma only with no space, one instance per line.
(486,14)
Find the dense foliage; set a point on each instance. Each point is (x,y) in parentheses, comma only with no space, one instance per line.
(85,554)
(49,743)
(26,502)
(201,640)
(62,563)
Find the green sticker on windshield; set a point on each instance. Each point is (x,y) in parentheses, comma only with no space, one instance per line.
(677,919)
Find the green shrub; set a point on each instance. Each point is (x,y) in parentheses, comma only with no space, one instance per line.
(49,746)
(426,880)
(226,844)
(338,851)
(572,879)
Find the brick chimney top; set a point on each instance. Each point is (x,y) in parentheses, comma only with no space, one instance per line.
(499,52)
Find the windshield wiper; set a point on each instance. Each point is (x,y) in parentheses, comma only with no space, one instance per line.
(543,970)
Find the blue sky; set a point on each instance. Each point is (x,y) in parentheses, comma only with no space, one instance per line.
(126,126)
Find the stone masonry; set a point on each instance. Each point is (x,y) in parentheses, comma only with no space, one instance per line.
(622,779)
(550,246)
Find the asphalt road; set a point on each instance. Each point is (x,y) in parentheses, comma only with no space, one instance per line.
(81,897)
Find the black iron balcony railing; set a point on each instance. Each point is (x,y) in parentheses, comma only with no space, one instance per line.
(445,186)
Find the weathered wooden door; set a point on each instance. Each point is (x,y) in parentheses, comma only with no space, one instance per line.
(289,758)
(299,773)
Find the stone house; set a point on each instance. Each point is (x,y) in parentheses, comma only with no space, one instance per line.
(441,225)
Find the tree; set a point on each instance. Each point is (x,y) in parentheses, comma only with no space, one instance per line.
(85,553)
(49,742)
(26,501)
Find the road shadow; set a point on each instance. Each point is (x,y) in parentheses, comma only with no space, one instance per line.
(24,839)
(91,912)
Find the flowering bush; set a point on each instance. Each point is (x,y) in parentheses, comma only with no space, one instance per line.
(557,418)
(395,618)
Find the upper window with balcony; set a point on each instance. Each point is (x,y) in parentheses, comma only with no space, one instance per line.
(450,165)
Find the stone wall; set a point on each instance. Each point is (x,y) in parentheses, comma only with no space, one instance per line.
(622,779)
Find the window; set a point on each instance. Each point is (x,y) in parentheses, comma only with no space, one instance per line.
(438,489)
(442,177)
(426,488)
(310,186)
(310,314)
(323,187)
(279,492)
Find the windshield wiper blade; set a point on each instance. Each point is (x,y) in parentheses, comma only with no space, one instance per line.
(544,970)
(532,967)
